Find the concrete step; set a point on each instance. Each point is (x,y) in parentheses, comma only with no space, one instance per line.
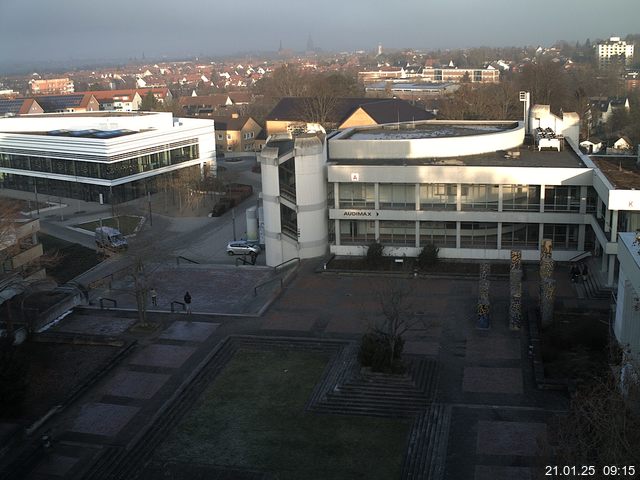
(426,453)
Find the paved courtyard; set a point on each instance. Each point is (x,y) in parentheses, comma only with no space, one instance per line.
(498,419)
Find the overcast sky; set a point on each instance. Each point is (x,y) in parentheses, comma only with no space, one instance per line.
(35,30)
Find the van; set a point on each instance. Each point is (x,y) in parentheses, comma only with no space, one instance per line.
(110,238)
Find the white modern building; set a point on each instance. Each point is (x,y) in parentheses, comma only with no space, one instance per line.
(627,322)
(476,190)
(108,156)
(614,49)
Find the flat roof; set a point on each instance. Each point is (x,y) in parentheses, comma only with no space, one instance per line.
(101,113)
(85,133)
(566,158)
(410,131)
(622,171)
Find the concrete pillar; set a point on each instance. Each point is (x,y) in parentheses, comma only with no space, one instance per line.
(581,236)
(607,221)
(603,263)
(337,230)
(500,201)
(540,235)
(614,225)
(417,242)
(542,199)
(336,196)
(417,196)
(583,199)
(599,208)
(612,270)
(499,235)
(377,230)
(458,229)
(376,193)
(459,197)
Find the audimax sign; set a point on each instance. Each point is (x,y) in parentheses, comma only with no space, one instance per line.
(360,213)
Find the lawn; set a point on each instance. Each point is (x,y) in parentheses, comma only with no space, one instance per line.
(71,259)
(127,224)
(252,417)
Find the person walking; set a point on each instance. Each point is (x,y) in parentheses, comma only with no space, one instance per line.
(187,302)
(154,297)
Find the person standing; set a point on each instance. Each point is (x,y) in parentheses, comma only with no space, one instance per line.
(187,302)
(154,297)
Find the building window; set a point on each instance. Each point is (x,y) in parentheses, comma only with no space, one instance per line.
(289,222)
(479,235)
(437,196)
(440,234)
(397,196)
(561,198)
(398,233)
(287,179)
(564,237)
(357,195)
(520,235)
(357,232)
(521,198)
(479,197)
(220,136)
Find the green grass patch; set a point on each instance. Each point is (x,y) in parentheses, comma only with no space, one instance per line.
(253,417)
(71,259)
(127,224)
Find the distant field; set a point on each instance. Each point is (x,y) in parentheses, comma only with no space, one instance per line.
(127,224)
(252,417)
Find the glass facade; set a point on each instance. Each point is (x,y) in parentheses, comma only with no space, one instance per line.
(479,197)
(397,196)
(89,192)
(357,195)
(101,170)
(398,233)
(441,234)
(479,235)
(520,235)
(521,198)
(438,196)
(357,232)
(562,198)
(564,237)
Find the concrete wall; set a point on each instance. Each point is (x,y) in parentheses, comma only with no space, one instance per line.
(437,147)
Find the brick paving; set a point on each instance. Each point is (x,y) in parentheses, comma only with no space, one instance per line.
(495,416)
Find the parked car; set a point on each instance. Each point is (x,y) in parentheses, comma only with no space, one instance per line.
(242,248)
(110,238)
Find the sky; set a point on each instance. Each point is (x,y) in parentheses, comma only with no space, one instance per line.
(34,31)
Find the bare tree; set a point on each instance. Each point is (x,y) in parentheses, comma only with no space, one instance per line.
(395,304)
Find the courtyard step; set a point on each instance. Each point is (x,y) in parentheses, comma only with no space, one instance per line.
(426,453)
(381,395)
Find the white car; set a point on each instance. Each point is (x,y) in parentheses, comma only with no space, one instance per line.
(242,248)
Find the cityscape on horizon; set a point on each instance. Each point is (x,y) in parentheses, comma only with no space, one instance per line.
(387,241)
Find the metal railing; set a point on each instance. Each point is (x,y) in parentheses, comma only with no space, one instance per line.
(113,302)
(294,259)
(255,289)
(179,257)
(175,302)
(580,256)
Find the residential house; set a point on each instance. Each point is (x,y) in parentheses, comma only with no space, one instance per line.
(118,100)
(614,50)
(591,145)
(236,134)
(294,114)
(19,106)
(205,105)
(51,86)
(73,103)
